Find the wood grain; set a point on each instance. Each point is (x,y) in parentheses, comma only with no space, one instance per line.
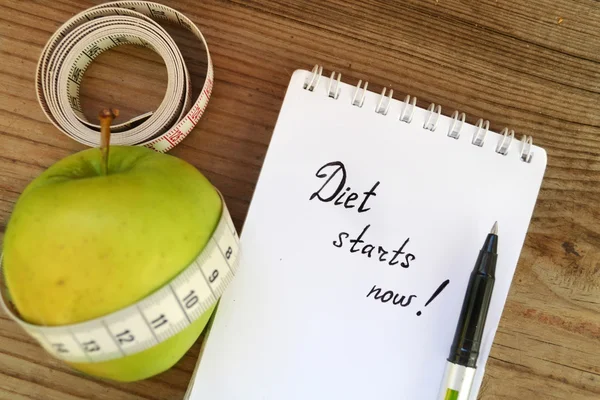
(532,66)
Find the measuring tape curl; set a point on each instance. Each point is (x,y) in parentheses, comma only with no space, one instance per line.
(151,320)
(74,46)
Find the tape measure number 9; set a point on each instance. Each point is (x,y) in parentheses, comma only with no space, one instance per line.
(155,318)
(74,46)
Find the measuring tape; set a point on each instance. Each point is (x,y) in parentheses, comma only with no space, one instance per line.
(81,39)
(152,320)
(60,70)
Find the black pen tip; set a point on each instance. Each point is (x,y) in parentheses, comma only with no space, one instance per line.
(494,230)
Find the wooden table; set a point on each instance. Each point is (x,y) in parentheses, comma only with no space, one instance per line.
(532,66)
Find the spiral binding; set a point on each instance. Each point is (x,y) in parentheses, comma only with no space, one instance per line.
(433,113)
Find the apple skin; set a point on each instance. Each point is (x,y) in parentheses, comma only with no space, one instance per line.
(80,245)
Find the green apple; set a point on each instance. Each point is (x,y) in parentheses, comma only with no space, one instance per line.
(81,244)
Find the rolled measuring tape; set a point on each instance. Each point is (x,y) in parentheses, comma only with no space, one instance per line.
(153,319)
(74,46)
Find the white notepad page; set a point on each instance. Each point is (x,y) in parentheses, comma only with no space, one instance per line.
(297,322)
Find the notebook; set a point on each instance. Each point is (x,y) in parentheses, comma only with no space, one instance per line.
(365,207)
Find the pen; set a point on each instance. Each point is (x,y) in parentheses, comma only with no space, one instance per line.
(462,361)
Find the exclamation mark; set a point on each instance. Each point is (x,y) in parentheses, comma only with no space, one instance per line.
(435,294)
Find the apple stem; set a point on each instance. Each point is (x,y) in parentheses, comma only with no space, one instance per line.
(106,116)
